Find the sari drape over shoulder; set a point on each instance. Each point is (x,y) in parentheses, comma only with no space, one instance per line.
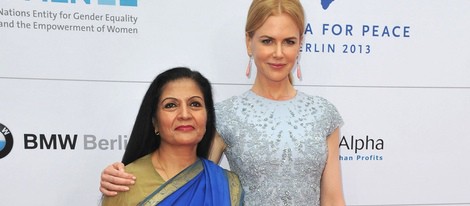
(202,183)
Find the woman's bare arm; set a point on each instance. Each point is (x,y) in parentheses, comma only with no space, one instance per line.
(217,148)
(331,184)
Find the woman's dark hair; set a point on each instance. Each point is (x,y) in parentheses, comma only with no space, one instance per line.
(143,139)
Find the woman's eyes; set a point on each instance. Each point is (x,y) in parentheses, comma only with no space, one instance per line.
(195,104)
(270,41)
(266,41)
(173,105)
(290,42)
(169,105)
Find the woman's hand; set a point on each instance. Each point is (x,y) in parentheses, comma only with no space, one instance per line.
(114,179)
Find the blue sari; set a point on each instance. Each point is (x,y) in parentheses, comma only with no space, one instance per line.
(202,183)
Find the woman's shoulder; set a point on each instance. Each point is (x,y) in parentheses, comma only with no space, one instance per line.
(314,99)
(323,107)
(140,164)
(320,104)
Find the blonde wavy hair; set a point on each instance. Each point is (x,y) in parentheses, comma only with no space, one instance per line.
(261,10)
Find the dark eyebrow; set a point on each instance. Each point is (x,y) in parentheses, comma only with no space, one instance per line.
(173,98)
(198,97)
(168,98)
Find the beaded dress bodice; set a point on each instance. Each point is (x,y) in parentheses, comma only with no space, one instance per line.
(278,148)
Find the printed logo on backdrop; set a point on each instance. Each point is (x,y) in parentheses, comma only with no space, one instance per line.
(361,148)
(72,20)
(326,3)
(329,37)
(6,141)
(73,142)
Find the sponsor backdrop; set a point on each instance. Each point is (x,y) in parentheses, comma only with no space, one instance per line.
(73,73)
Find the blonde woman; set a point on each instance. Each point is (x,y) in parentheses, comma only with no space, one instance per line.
(281,142)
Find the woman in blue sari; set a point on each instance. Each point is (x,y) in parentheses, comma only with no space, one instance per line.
(169,144)
(282,142)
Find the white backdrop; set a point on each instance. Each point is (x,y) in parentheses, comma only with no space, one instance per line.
(398,72)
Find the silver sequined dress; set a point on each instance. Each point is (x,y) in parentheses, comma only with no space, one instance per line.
(278,148)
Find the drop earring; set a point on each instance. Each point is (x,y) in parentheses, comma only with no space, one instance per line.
(297,65)
(248,67)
